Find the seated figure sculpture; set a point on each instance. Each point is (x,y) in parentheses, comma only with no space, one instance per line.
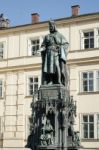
(49,132)
(46,137)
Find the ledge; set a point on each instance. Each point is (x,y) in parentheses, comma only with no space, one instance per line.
(84,50)
(88,93)
(89,140)
(29,96)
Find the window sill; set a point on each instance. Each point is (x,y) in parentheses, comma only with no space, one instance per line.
(88,93)
(89,140)
(36,54)
(89,49)
(84,50)
(29,96)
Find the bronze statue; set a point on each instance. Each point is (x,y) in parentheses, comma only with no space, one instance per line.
(53,114)
(54,53)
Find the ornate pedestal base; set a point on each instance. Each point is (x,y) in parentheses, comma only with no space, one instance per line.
(53,116)
(54,98)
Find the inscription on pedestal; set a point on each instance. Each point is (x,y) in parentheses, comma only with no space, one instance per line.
(52,92)
(49,94)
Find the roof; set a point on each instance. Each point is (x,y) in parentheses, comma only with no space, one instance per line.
(79,18)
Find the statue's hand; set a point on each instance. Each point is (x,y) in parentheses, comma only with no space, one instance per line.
(41,50)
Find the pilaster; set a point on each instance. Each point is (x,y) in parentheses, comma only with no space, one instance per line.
(13,136)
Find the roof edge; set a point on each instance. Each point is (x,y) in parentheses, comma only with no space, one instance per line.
(75,18)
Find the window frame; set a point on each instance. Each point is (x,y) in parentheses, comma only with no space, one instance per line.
(96,126)
(95,81)
(29,42)
(34,83)
(87,80)
(88,123)
(36,46)
(89,38)
(82,31)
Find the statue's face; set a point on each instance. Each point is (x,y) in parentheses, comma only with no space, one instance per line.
(52,27)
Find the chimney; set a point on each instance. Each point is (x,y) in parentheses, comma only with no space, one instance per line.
(35,17)
(75,10)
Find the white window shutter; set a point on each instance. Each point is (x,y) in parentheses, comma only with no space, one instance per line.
(41,40)
(81,39)
(27,87)
(96,38)
(29,47)
(80,82)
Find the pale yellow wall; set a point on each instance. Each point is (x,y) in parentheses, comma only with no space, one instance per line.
(13,46)
(15,105)
(17,43)
(86,103)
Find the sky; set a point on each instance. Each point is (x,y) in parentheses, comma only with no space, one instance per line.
(19,11)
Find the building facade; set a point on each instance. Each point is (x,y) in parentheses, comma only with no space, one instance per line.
(20,76)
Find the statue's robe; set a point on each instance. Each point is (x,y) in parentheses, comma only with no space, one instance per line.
(59,52)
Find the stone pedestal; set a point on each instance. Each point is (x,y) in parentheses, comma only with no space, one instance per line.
(54,97)
(53,118)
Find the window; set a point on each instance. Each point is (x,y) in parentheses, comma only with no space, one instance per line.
(88,126)
(98,126)
(97,80)
(87,81)
(33,46)
(32,85)
(1,50)
(89,39)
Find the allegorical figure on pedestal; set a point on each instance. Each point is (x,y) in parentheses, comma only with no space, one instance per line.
(54,56)
(46,137)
